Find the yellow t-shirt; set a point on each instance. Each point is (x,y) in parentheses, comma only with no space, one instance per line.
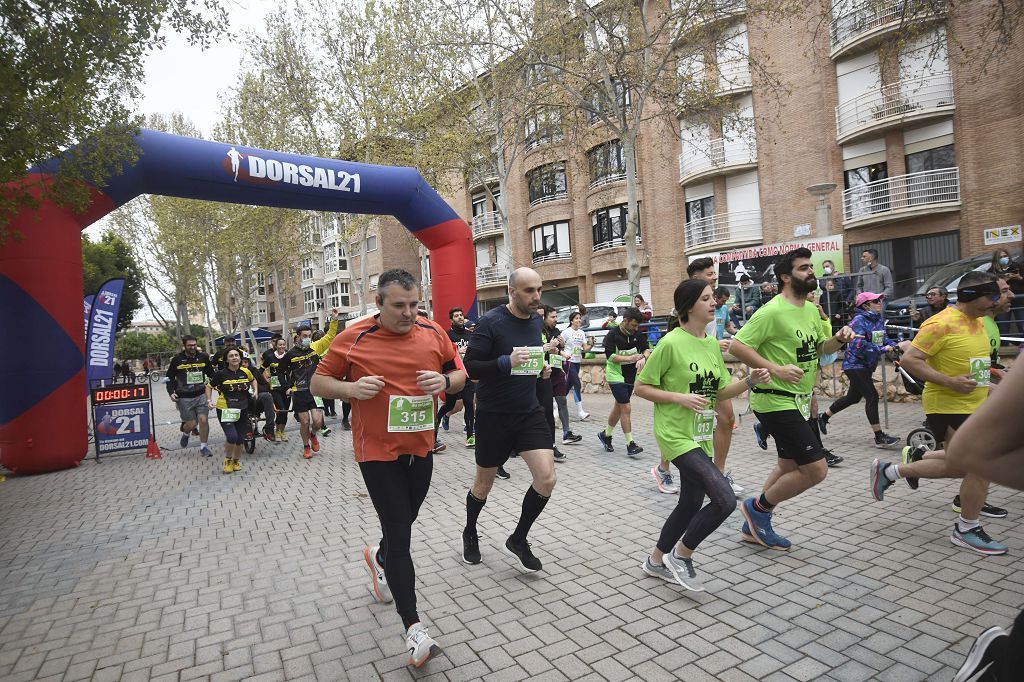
(955,345)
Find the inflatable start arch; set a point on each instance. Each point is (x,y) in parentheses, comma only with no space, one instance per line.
(43,411)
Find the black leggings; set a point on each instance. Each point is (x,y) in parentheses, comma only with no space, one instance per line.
(467,397)
(698,476)
(397,490)
(861,386)
(281,401)
(346,409)
(234,432)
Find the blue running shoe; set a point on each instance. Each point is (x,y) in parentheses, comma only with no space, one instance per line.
(761,523)
(747,536)
(879,482)
(444,422)
(184,440)
(976,539)
(761,436)
(205,451)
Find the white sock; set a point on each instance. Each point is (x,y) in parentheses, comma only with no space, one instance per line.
(202,443)
(675,555)
(655,563)
(964,525)
(892,472)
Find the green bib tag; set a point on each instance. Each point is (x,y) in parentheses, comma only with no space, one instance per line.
(803,403)
(577,354)
(703,426)
(877,337)
(318,401)
(410,413)
(533,365)
(981,371)
(230,415)
(193,376)
(275,381)
(556,361)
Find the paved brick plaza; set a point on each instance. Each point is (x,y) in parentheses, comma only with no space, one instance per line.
(170,570)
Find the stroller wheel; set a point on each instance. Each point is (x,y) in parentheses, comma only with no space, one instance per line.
(922,438)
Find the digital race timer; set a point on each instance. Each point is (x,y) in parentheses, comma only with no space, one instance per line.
(120,394)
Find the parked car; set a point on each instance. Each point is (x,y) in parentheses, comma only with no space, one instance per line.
(897,310)
(597,313)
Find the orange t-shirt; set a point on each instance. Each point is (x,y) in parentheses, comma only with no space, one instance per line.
(368,349)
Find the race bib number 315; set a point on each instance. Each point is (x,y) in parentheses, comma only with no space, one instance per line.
(410,413)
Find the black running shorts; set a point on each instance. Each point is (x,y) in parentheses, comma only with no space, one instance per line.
(498,435)
(938,423)
(793,436)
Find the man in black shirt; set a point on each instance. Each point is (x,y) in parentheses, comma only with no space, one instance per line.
(186,384)
(626,350)
(459,333)
(505,354)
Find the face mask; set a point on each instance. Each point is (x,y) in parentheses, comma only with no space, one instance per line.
(828,271)
(306,341)
(1004,261)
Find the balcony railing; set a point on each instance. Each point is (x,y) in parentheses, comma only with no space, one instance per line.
(538,140)
(860,20)
(724,228)
(734,76)
(557,196)
(607,179)
(913,97)
(612,243)
(491,274)
(910,194)
(543,258)
(486,224)
(716,156)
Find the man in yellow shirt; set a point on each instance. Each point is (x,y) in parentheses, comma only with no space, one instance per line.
(951,354)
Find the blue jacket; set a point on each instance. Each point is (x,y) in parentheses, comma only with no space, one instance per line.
(864,353)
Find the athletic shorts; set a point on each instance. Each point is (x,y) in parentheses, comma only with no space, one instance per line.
(498,435)
(621,392)
(302,401)
(191,409)
(793,436)
(938,423)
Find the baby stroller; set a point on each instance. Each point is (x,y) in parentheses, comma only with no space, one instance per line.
(922,436)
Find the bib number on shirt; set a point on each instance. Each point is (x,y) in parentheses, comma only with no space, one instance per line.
(877,337)
(703,426)
(981,371)
(577,354)
(556,361)
(534,364)
(803,403)
(410,413)
(318,401)
(230,415)
(195,377)
(275,381)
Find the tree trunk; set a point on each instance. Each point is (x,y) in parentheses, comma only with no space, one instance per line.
(632,220)
(279,295)
(364,279)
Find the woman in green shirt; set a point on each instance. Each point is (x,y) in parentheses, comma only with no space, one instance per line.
(684,378)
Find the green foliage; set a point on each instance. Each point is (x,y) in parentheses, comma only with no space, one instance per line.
(69,71)
(110,258)
(137,345)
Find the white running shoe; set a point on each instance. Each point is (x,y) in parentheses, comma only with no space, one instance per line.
(664,481)
(380,588)
(736,489)
(683,571)
(583,415)
(657,570)
(420,645)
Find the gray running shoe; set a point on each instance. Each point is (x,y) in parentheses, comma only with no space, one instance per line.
(657,571)
(682,570)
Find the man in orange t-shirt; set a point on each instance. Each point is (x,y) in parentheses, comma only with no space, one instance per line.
(391,367)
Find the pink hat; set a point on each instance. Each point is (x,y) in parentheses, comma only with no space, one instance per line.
(866,296)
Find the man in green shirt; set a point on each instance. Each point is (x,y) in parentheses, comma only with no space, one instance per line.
(626,348)
(786,337)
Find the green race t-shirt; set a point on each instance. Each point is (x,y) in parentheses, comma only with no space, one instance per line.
(993,337)
(682,363)
(784,334)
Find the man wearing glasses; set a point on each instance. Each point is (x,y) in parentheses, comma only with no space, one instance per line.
(938,299)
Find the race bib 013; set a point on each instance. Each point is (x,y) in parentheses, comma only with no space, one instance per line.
(703,426)
(410,413)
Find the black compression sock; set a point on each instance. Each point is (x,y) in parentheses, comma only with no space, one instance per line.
(473,508)
(533,505)
(762,505)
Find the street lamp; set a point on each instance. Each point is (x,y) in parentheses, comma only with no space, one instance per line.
(823,211)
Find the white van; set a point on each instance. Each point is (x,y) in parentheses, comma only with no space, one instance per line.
(597,313)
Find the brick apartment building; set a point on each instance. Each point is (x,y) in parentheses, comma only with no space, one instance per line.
(924,150)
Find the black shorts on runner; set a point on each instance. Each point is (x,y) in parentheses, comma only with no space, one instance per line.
(621,392)
(793,436)
(302,401)
(499,435)
(938,423)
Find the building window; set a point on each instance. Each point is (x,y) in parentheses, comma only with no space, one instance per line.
(332,295)
(307,268)
(931,159)
(261,285)
(371,243)
(291,272)
(343,289)
(607,162)
(373,282)
(551,241)
(609,226)
(866,199)
(259,313)
(700,208)
(342,258)
(479,204)
(599,102)
(330,261)
(541,127)
(547,183)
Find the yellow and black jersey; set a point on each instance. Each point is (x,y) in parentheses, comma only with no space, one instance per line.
(187,375)
(233,387)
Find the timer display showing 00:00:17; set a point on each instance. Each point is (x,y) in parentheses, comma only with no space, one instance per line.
(115,394)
